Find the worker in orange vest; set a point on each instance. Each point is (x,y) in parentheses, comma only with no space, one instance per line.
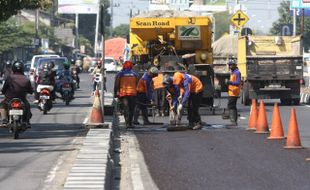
(159,93)
(145,95)
(125,89)
(233,90)
(192,95)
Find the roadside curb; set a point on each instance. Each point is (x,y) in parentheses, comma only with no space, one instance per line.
(93,166)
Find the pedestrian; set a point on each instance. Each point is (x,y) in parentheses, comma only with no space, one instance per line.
(233,90)
(125,89)
(159,93)
(96,72)
(145,95)
(192,95)
(171,98)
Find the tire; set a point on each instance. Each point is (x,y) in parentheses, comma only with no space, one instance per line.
(44,109)
(296,101)
(245,95)
(286,101)
(15,131)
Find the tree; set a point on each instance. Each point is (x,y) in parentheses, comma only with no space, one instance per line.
(9,8)
(285,18)
(222,24)
(121,31)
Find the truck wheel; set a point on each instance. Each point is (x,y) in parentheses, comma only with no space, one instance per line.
(286,101)
(245,95)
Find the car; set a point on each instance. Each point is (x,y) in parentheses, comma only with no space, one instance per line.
(110,64)
(33,65)
(27,69)
(58,61)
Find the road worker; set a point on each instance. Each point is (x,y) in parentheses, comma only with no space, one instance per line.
(192,94)
(145,95)
(125,89)
(159,93)
(233,90)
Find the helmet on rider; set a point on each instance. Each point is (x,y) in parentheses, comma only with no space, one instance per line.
(127,65)
(51,65)
(98,63)
(67,65)
(18,67)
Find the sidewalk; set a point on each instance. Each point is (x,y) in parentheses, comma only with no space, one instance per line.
(93,166)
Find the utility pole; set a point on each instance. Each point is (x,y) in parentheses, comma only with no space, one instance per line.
(96,33)
(294,22)
(77,31)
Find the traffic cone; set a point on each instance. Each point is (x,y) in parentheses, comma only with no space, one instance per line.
(293,140)
(262,124)
(253,116)
(96,112)
(276,124)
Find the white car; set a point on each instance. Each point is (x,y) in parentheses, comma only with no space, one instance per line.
(33,65)
(110,64)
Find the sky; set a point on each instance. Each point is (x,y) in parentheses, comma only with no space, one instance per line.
(262,13)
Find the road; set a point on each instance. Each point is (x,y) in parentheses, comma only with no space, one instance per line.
(215,157)
(43,155)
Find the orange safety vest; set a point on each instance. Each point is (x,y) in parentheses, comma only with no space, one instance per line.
(158,81)
(196,85)
(128,84)
(234,90)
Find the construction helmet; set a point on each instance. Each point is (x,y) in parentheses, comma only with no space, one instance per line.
(153,71)
(232,61)
(127,65)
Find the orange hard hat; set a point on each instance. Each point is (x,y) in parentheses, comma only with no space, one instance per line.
(127,65)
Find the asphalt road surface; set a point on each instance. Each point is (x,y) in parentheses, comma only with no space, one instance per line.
(42,156)
(215,157)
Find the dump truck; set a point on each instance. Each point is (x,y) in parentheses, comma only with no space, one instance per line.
(271,68)
(176,44)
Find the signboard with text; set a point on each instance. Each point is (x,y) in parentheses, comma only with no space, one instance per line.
(78,6)
(300,4)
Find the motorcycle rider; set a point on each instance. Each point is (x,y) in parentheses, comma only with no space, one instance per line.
(16,85)
(66,76)
(47,76)
(75,73)
(125,89)
(97,70)
(145,95)
(192,94)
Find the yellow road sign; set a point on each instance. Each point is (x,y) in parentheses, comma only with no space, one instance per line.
(239,19)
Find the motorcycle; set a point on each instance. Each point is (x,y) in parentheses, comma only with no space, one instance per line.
(16,122)
(76,79)
(45,100)
(67,93)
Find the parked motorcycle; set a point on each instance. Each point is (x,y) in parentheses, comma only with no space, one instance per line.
(45,99)
(16,122)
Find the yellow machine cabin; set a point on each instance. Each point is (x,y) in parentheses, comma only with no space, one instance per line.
(174,44)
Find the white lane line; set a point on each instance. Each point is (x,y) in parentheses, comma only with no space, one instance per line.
(85,120)
(243,118)
(307,106)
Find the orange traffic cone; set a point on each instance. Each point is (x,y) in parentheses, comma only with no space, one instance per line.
(293,140)
(262,124)
(253,116)
(276,124)
(96,112)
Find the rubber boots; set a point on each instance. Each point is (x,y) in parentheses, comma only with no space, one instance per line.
(233,116)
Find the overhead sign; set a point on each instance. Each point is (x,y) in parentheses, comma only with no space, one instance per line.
(299,12)
(239,19)
(300,4)
(78,6)
(189,32)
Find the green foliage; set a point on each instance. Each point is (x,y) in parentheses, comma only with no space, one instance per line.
(9,8)
(88,46)
(121,31)
(285,18)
